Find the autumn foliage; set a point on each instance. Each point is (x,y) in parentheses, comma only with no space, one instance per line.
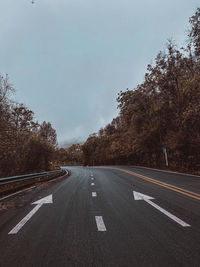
(163,111)
(25,145)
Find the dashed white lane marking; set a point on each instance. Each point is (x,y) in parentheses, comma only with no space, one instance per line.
(100,223)
(92,183)
(92,178)
(94,194)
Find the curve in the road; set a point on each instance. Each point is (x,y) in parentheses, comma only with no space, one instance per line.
(166,185)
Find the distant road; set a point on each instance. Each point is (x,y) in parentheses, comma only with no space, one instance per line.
(104,216)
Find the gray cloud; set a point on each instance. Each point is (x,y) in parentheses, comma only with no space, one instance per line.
(69,59)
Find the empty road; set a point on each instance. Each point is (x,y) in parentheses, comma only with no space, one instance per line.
(104,216)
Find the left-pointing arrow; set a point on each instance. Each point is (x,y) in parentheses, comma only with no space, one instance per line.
(39,203)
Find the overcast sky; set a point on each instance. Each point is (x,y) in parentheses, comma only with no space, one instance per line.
(68,59)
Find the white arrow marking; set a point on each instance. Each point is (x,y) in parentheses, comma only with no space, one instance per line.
(39,203)
(139,196)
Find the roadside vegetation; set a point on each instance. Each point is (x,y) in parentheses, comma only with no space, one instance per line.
(72,155)
(25,145)
(162,112)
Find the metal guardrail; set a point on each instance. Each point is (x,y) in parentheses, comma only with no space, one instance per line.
(14,179)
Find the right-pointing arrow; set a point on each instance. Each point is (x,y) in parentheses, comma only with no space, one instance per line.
(140,196)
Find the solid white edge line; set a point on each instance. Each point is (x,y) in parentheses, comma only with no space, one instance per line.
(58,177)
(24,190)
(94,194)
(100,224)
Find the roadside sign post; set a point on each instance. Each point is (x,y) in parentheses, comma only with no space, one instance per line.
(165,153)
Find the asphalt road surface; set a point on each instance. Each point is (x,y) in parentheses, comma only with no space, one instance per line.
(116,216)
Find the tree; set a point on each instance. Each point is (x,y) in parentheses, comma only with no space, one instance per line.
(47,133)
(162,111)
(24,144)
(194,33)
